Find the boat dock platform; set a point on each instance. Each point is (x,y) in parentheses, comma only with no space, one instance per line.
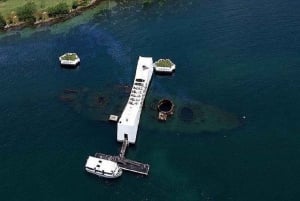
(124,163)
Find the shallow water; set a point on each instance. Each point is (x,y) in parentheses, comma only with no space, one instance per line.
(239,56)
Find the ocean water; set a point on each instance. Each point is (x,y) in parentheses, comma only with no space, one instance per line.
(240,56)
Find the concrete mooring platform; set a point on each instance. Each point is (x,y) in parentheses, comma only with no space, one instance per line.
(124,163)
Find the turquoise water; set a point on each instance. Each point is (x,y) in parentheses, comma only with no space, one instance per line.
(240,56)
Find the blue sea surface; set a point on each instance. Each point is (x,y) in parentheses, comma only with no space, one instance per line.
(240,56)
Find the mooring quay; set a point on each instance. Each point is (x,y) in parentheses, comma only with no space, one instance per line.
(110,166)
(126,164)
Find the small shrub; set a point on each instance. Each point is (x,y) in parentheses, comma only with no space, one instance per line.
(15,19)
(12,18)
(45,16)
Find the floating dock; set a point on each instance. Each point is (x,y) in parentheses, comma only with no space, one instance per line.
(126,164)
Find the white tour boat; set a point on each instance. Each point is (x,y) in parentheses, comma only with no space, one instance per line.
(102,167)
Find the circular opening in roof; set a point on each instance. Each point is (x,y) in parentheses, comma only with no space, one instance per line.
(165,105)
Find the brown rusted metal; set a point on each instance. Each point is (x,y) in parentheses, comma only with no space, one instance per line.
(165,109)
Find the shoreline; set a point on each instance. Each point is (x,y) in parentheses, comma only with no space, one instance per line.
(53,20)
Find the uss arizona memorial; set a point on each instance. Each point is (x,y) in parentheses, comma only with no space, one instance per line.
(109,166)
(129,120)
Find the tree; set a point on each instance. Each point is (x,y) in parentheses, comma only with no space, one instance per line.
(147,3)
(59,9)
(26,12)
(75,4)
(2,22)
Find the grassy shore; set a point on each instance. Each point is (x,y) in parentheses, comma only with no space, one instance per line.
(16,14)
(8,6)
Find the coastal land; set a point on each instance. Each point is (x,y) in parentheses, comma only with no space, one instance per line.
(17,14)
(14,14)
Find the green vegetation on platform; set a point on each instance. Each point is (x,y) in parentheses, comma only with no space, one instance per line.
(164,63)
(70,56)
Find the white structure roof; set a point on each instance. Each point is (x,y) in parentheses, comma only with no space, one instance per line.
(129,120)
(101,164)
